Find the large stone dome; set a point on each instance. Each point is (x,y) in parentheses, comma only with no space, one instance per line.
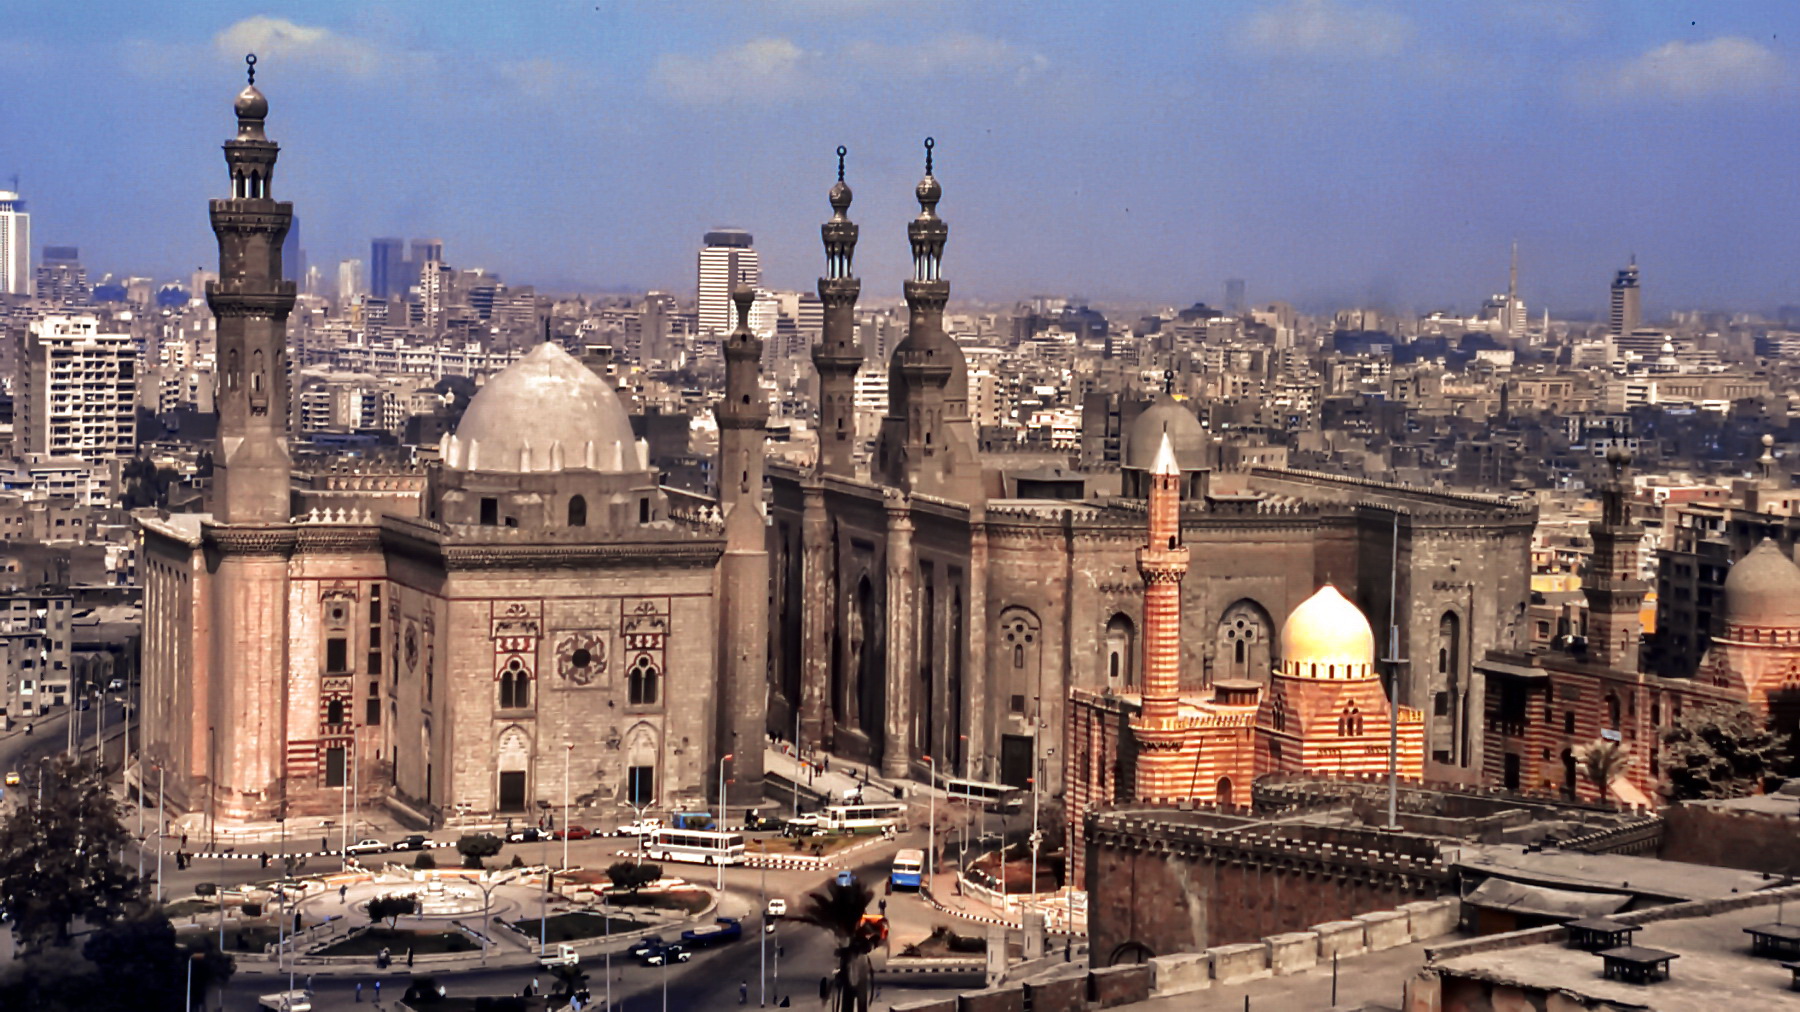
(1328,637)
(1763,589)
(545,412)
(1186,436)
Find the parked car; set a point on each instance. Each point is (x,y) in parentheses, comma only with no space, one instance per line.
(526,835)
(116,685)
(12,779)
(644,944)
(802,825)
(642,827)
(572,832)
(674,952)
(756,822)
(416,841)
(563,955)
(286,1001)
(777,908)
(367,847)
(725,929)
(846,877)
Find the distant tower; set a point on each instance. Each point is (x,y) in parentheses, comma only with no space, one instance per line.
(1162,562)
(15,245)
(1516,320)
(1234,295)
(837,356)
(1627,313)
(927,442)
(727,261)
(387,267)
(1614,592)
(743,417)
(249,538)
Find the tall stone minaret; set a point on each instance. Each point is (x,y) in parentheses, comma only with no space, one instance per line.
(249,538)
(837,355)
(927,444)
(743,417)
(1163,561)
(251,301)
(1614,592)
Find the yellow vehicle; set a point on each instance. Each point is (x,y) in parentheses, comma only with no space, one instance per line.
(12,779)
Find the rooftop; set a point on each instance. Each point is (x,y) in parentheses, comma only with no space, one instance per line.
(1644,877)
(1714,970)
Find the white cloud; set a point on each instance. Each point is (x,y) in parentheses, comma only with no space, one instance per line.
(760,70)
(301,45)
(1325,29)
(1728,66)
(774,70)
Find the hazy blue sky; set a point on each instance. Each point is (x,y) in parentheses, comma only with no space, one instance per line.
(1327,151)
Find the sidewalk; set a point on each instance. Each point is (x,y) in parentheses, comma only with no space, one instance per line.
(817,783)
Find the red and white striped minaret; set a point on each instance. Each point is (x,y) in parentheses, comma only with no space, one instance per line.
(1163,561)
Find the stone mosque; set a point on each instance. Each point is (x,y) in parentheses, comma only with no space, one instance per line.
(544,620)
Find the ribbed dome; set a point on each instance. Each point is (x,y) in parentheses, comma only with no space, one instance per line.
(544,412)
(1763,589)
(1186,436)
(1328,637)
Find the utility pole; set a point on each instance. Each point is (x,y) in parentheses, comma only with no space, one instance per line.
(1394,663)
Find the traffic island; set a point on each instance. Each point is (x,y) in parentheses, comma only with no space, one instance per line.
(576,926)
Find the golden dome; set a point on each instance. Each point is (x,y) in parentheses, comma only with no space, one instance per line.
(1328,637)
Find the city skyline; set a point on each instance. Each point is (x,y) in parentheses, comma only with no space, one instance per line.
(1340,153)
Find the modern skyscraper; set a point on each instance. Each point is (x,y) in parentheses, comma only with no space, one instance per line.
(1234,295)
(293,258)
(61,279)
(15,245)
(425,251)
(1627,312)
(387,266)
(77,391)
(727,261)
(350,280)
(1515,319)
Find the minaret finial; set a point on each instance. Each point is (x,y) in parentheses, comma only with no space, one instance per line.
(250,63)
(842,151)
(1169,382)
(929,144)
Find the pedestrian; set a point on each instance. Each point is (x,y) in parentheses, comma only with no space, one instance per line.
(534,987)
(884,908)
(827,761)
(184,841)
(309,983)
(343,890)
(378,991)
(409,955)
(743,992)
(359,991)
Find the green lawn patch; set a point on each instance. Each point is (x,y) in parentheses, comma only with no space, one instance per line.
(579,925)
(687,900)
(422,943)
(187,908)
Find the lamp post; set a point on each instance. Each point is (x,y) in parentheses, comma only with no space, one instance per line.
(762,952)
(722,761)
(162,829)
(568,750)
(931,833)
(606,926)
(487,893)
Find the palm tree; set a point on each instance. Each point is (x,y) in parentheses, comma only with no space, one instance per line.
(840,909)
(1603,762)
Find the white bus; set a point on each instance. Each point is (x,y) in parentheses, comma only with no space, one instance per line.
(993,797)
(696,846)
(863,818)
(909,865)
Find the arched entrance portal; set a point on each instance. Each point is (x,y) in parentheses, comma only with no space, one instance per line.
(512,760)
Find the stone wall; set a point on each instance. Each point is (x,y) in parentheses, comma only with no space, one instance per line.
(1157,885)
(1732,838)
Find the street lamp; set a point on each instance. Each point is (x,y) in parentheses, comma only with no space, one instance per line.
(931,834)
(162,830)
(568,750)
(722,813)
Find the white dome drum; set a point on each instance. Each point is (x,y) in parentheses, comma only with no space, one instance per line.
(545,412)
(1328,637)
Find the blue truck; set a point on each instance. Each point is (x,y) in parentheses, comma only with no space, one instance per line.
(725,929)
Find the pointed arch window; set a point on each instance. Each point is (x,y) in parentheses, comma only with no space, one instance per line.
(1350,725)
(641,683)
(577,511)
(515,686)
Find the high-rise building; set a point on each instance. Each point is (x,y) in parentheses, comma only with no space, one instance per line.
(350,280)
(726,262)
(61,279)
(77,391)
(15,245)
(293,258)
(1234,295)
(1627,312)
(387,267)
(426,251)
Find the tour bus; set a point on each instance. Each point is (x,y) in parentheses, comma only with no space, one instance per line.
(908,864)
(696,846)
(863,818)
(993,797)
